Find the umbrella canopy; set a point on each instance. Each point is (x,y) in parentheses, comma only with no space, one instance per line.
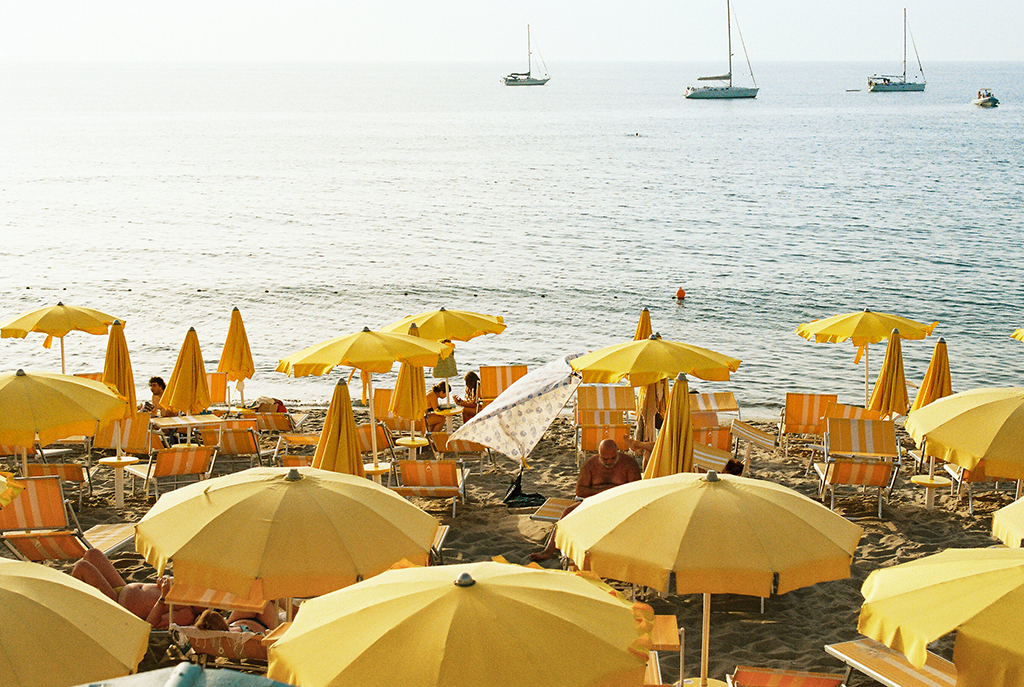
(977,592)
(673,451)
(717,534)
(643,326)
(117,367)
(282,533)
(9,488)
(456,325)
(338,448)
(365,350)
(53,406)
(57,631)
(514,422)
(973,425)
(57,321)
(645,362)
(188,390)
(1008,524)
(236,358)
(937,381)
(1018,334)
(409,399)
(863,328)
(477,624)
(890,394)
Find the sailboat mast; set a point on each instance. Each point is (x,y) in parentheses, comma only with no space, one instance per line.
(529,52)
(904,44)
(728,30)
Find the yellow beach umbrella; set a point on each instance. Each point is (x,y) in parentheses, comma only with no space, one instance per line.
(862,329)
(56,321)
(718,534)
(236,358)
(937,381)
(1018,334)
(650,399)
(338,449)
(977,592)
(1008,524)
(643,326)
(890,394)
(188,390)
(53,406)
(645,362)
(282,532)
(456,325)
(409,399)
(973,425)
(57,631)
(482,624)
(673,451)
(117,366)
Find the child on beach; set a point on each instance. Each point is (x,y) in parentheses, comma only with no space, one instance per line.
(434,421)
(471,403)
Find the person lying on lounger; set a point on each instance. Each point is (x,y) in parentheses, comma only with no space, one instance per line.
(241,621)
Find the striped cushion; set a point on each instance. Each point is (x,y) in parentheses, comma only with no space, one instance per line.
(803,413)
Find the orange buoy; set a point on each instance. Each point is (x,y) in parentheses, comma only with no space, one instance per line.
(680,294)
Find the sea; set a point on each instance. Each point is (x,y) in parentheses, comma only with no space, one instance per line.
(323,198)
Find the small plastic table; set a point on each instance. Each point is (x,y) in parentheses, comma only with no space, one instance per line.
(377,472)
(119,464)
(930,484)
(448,413)
(413,444)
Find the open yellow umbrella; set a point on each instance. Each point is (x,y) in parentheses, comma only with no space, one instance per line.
(236,358)
(409,399)
(456,325)
(645,362)
(973,425)
(862,329)
(56,321)
(1018,334)
(673,451)
(890,394)
(279,532)
(338,449)
(188,390)
(977,592)
(53,406)
(937,381)
(718,534)
(1008,524)
(57,631)
(483,624)
(117,366)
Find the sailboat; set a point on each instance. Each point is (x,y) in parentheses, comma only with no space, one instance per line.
(880,83)
(527,78)
(727,90)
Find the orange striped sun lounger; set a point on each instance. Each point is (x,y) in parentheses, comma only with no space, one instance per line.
(437,479)
(859,453)
(496,378)
(745,432)
(552,509)
(891,668)
(748,676)
(802,415)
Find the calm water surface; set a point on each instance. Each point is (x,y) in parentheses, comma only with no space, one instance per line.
(321,199)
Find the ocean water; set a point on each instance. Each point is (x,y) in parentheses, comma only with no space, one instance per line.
(320,199)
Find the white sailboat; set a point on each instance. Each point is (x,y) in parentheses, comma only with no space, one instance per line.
(727,90)
(527,78)
(885,83)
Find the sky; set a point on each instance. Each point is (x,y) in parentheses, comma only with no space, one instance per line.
(495,30)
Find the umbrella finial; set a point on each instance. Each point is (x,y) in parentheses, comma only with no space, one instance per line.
(464,580)
(681,377)
(366,329)
(293,475)
(116,323)
(655,336)
(191,329)
(234,308)
(442,309)
(712,476)
(60,304)
(19,373)
(942,340)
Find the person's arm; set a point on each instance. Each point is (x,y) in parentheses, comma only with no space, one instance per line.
(634,470)
(585,483)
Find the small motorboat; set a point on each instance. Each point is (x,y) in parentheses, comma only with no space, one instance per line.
(986,99)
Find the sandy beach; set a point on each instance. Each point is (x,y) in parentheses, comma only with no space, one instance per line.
(793,628)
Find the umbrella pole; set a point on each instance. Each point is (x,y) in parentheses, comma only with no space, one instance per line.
(373,420)
(24,461)
(62,371)
(705,641)
(867,396)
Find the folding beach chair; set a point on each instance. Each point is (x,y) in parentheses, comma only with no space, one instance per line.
(964,479)
(231,649)
(238,447)
(496,378)
(859,453)
(433,479)
(601,411)
(174,466)
(69,474)
(802,415)
(218,385)
(279,422)
(744,432)
(137,439)
(707,430)
(842,411)
(463,450)
(749,676)
(395,423)
(286,444)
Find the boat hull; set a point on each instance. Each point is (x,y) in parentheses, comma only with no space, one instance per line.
(894,86)
(987,102)
(525,81)
(720,92)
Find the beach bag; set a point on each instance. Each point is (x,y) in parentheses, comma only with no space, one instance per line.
(515,497)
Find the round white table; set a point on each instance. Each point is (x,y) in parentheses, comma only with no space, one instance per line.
(119,464)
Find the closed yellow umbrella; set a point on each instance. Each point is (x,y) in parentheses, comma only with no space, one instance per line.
(673,451)
(977,592)
(456,325)
(650,399)
(973,425)
(409,399)
(718,534)
(53,406)
(236,358)
(188,390)
(482,624)
(937,381)
(279,532)
(645,362)
(643,326)
(1018,334)
(57,321)
(890,394)
(57,631)
(117,366)
(862,329)
(338,449)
